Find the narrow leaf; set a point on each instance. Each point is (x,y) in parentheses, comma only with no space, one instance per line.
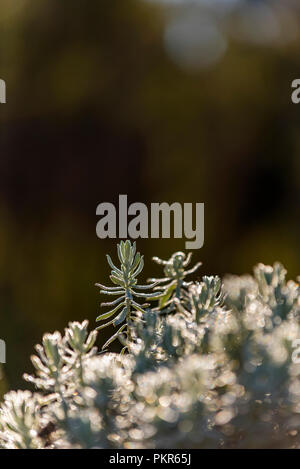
(114,337)
(119,292)
(120,318)
(112,265)
(109,313)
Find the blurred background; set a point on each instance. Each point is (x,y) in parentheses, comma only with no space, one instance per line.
(170,100)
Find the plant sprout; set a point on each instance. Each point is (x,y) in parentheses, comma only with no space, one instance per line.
(126,310)
(174,281)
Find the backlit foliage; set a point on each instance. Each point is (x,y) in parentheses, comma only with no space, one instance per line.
(216,373)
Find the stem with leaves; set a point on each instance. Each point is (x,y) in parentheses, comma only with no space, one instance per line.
(174,280)
(126,310)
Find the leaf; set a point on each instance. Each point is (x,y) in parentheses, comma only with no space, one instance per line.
(119,292)
(117,281)
(120,318)
(109,313)
(146,287)
(132,253)
(120,256)
(167,294)
(115,302)
(140,268)
(138,307)
(146,295)
(104,325)
(114,337)
(127,250)
(136,261)
(191,271)
(112,265)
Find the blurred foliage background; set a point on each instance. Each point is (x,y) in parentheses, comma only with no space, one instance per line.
(186,101)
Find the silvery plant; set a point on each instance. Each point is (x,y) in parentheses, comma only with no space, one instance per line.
(208,365)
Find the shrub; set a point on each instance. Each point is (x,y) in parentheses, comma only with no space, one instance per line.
(209,366)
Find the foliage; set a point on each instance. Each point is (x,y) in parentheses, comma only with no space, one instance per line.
(174,280)
(132,264)
(216,373)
